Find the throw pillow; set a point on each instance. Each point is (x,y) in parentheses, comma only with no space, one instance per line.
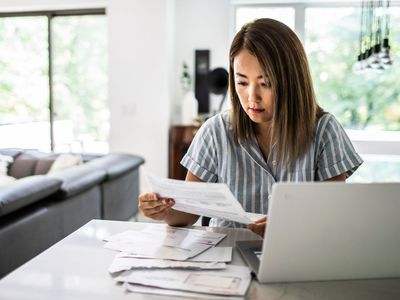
(64,161)
(5,161)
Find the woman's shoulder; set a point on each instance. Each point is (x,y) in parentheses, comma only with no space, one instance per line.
(219,121)
(327,120)
(327,124)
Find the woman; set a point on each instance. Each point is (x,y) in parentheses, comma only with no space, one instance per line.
(274,132)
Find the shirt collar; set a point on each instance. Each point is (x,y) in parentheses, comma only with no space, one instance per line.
(250,146)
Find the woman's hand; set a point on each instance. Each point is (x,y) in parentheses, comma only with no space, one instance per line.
(153,206)
(259,226)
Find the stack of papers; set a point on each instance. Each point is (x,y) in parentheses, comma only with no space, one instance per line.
(232,281)
(160,259)
(164,242)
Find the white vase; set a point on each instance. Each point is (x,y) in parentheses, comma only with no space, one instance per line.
(190,107)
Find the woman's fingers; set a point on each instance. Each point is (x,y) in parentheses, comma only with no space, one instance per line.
(258,228)
(158,208)
(262,220)
(158,213)
(148,197)
(154,206)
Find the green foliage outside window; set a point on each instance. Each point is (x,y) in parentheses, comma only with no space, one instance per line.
(359,101)
(79,64)
(24,69)
(80,75)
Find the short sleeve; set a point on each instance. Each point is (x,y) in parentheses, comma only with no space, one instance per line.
(201,157)
(336,154)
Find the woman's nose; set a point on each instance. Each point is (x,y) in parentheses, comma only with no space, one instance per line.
(254,94)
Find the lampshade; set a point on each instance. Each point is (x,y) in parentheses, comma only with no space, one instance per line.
(217,80)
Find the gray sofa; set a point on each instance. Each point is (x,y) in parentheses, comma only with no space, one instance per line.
(37,210)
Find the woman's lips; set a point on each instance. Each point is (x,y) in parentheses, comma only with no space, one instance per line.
(256,110)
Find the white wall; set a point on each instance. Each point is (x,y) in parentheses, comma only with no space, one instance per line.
(199,25)
(149,40)
(139,92)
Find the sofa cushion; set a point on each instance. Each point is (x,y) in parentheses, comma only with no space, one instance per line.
(25,164)
(116,164)
(43,166)
(26,191)
(13,152)
(89,156)
(22,167)
(78,179)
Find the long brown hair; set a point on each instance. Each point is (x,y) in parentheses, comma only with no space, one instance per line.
(283,59)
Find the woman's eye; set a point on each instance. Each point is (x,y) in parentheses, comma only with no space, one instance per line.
(266,84)
(241,83)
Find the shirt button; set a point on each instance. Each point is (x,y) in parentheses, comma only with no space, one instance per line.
(274,162)
(269,197)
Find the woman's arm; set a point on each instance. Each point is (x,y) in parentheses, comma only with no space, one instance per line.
(341,177)
(179,218)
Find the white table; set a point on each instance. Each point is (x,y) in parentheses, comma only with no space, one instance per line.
(76,268)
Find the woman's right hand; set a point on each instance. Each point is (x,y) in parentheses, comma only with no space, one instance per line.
(153,206)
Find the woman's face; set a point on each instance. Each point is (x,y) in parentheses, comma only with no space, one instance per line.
(253,88)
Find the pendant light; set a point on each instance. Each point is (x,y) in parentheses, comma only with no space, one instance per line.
(374,49)
(385,54)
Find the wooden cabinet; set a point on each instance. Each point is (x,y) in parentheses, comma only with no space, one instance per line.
(180,137)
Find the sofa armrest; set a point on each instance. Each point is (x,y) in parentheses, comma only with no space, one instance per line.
(26,191)
(116,164)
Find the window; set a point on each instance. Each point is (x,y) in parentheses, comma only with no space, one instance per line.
(54,81)
(282,14)
(367,105)
(24,82)
(368,101)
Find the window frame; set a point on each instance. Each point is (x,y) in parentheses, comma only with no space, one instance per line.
(365,141)
(50,14)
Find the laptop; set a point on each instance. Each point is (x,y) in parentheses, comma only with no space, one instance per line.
(328,231)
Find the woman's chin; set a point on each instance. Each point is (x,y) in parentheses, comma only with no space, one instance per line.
(260,120)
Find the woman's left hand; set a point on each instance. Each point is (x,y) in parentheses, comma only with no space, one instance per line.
(259,226)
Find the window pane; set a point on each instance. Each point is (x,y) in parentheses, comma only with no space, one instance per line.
(24,93)
(80,83)
(247,14)
(378,168)
(360,101)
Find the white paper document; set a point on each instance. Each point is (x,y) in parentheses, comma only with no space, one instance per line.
(163,242)
(213,254)
(169,236)
(232,281)
(121,263)
(134,288)
(200,198)
(179,235)
(156,250)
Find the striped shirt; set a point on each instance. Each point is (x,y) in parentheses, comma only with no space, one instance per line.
(214,156)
